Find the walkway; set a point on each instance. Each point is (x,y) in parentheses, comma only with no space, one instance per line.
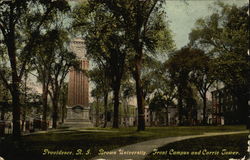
(67,130)
(139,151)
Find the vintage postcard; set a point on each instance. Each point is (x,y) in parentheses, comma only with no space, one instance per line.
(124,80)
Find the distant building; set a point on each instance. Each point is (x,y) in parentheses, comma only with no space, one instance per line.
(165,117)
(127,117)
(147,115)
(224,107)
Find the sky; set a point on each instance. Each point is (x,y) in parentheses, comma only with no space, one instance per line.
(183,15)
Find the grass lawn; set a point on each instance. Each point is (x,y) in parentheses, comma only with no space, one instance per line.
(209,148)
(32,147)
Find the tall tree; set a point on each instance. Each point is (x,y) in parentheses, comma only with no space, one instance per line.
(224,34)
(63,100)
(202,77)
(139,19)
(19,41)
(179,77)
(179,67)
(105,41)
(46,48)
(63,60)
(99,77)
(42,64)
(151,77)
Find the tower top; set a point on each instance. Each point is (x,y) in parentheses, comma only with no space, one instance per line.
(78,47)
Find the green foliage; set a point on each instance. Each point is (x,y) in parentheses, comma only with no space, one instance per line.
(122,33)
(104,38)
(21,22)
(179,65)
(128,90)
(159,102)
(145,17)
(102,84)
(28,19)
(106,46)
(186,68)
(224,34)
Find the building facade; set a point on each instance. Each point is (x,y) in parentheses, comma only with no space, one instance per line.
(224,108)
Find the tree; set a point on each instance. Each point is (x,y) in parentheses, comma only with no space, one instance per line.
(46,48)
(127,92)
(179,66)
(99,78)
(160,102)
(42,64)
(63,100)
(150,77)
(139,19)
(178,73)
(96,95)
(105,41)
(202,77)
(224,35)
(19,41)
(63,60)
(29,100)
(186,68)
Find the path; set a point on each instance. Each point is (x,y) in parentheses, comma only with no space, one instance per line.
(139,151)
(65,131)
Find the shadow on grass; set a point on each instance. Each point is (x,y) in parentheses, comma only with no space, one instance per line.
(209,148)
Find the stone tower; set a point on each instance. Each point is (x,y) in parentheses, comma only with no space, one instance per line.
(78,89)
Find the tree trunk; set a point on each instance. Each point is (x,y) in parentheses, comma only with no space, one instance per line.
(204,109)
(55,115)
(180,110)
(140,106)
(15,81)
(97,112)
(16,112)
(45,106)
(55,110)
(116,105)
(63,113)
(167,122)
(105,110)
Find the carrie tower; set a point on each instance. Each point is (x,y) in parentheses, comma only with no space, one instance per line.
(78,89)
